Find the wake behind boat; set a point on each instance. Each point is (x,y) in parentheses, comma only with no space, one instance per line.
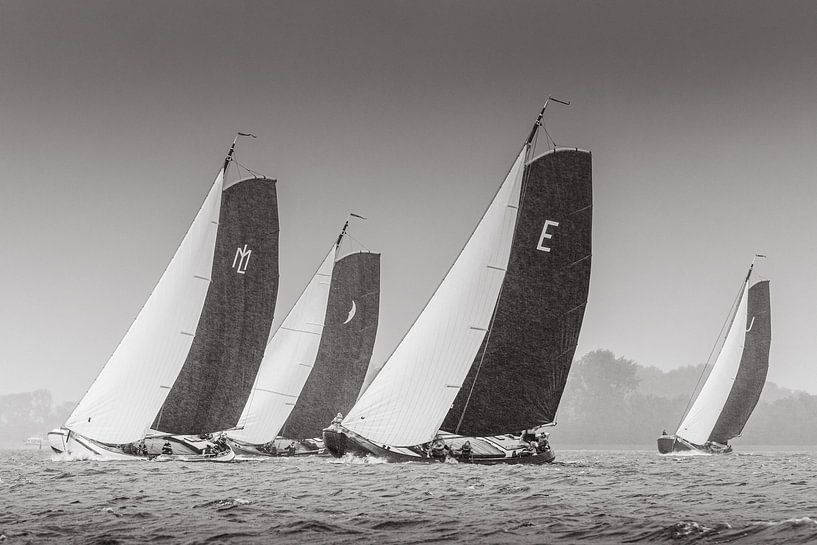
(188,361)
(491,351)
(733,388)
(315,363)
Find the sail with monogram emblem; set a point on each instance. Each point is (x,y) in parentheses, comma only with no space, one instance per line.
(188,361)
(732,390)
(315,362)
(491,350)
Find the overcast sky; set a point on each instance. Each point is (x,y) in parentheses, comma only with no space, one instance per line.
(115,117)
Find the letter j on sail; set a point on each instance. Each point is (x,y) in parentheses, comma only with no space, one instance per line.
(546,235)
(241,259)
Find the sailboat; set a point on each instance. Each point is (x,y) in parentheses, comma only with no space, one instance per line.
(316,361)
(480,373)
(732,390)
(186,364)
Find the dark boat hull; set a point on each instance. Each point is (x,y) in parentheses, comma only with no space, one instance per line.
(340,442)
(302,448)
(671,443)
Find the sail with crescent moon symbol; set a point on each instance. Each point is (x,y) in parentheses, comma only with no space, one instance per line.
(315,362)
(352,312)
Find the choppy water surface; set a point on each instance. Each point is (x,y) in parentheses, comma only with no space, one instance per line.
(589,496)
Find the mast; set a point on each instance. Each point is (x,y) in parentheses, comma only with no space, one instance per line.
(538,122)
(232,149)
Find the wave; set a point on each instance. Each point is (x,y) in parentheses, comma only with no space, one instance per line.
(351,459)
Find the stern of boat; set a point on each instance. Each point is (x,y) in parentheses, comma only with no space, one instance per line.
(334,440)
(665,444)
(57,439)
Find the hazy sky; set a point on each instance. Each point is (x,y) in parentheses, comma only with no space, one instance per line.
(115,117)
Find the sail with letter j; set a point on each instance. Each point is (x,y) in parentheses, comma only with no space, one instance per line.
(733,388)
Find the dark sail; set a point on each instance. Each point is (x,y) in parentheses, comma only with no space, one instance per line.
(754,364)
(518,376)
(345,348)
(215,381)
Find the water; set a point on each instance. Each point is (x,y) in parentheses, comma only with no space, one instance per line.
(589,496)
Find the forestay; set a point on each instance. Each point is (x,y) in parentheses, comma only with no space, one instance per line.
(701,418)
(287,361)
(130,389)
(407,401)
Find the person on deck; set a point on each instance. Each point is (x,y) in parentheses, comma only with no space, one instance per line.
(465,452)
(438,449)
(167,448)
(291,449)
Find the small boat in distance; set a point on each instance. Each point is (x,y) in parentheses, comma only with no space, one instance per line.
(315,363)
(186,364)
(732,390)
(481,371)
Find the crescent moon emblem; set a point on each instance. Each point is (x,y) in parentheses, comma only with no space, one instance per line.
(351,312)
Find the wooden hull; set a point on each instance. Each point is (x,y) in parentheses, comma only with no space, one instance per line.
(671,443)
(302,448)
(184,449)
(341,441)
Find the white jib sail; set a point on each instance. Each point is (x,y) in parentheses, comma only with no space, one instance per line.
(408,400)
(126,396)
(287,362)
(701,418)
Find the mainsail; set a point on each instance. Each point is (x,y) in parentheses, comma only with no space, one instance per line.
(345,349)
(733,388)
(215,380)
(518,376)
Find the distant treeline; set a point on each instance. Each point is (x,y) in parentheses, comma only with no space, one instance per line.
(616,401)
(30,414)
(608,401)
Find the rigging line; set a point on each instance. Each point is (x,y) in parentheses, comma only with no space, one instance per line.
(248,169)
(350,235)
(729,319)
(481,359)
